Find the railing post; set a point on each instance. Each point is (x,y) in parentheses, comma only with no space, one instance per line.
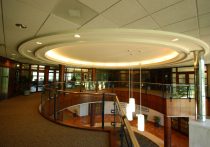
(55,116)
(121,134)
(102,111)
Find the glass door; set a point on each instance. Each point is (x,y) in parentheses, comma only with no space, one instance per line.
(4,82)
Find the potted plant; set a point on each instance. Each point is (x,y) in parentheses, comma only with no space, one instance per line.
(157,121)
(25,84)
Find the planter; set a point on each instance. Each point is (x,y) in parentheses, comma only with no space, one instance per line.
(26,92)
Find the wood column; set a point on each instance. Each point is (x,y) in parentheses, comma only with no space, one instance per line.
(93,74)
(61,75)
(92,110)
(167,131)
(46,74)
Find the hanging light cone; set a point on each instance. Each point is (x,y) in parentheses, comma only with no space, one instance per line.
(129,113)
(132,104)
(140,122)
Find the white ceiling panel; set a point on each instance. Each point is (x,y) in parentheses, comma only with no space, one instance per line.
(144,23)
(16,12)
(193,33)
(2,51)
(206,38)
(155,5)
(204,20)
(74,11)
(125,12)
(99,22)
(175,13)
(183,26)
(205,31)
(56,24)
(43,5)
(99,5)
(203,6)
(1,28)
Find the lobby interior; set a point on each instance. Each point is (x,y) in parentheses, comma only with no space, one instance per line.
(156,51)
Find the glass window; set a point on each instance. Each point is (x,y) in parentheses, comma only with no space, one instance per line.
(184,69)
(41,79)
(181,78)
(84,70)
(41,67)
(51,76)
(69,69)
(77,69)
(57,75)
(34,67)
(25,66)
(173,69)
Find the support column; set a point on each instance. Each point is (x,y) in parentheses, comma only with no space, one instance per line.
(46,74)
(200,96)
(167,131)
(61,75)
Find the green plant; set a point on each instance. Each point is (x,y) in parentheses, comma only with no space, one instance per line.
(157,121)
(25,82)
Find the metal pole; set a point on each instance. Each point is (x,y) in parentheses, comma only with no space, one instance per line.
(102,111)
(200,96)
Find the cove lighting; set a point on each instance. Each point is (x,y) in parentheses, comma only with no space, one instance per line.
(29,51)
(55,56)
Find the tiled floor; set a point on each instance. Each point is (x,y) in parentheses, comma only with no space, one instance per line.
(178,139)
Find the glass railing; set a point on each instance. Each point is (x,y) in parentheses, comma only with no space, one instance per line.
(163,90)
(90,110)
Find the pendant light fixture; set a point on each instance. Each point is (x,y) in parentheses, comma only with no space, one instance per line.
(131,98)
(129,112)
(140,116)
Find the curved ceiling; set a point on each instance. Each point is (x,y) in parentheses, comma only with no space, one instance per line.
(113,48)
(23,20)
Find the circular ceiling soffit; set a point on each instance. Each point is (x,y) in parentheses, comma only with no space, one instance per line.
(113,48)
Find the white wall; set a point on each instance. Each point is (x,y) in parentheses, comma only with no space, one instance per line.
(199,133)
(82,110)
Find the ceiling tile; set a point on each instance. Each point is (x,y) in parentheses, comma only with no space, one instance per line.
(56,24)
(144,23)
(16,12)
(125,12)
(99,22)
(99,5)
(1,28)
(203,6)
(204,20)
(155,5)
(193,33)
(46,5)
(2,51)
(183,26)
(205,38)
(74,11)
(175,13)
(205,31)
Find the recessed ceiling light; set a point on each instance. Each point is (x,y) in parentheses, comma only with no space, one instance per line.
(13,54)
(175,39)
(76,36)
(29,51)
(21,26)
(38,42)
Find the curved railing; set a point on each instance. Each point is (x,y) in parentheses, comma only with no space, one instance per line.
(57,104)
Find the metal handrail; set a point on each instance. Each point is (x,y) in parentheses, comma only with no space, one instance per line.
(127,124)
